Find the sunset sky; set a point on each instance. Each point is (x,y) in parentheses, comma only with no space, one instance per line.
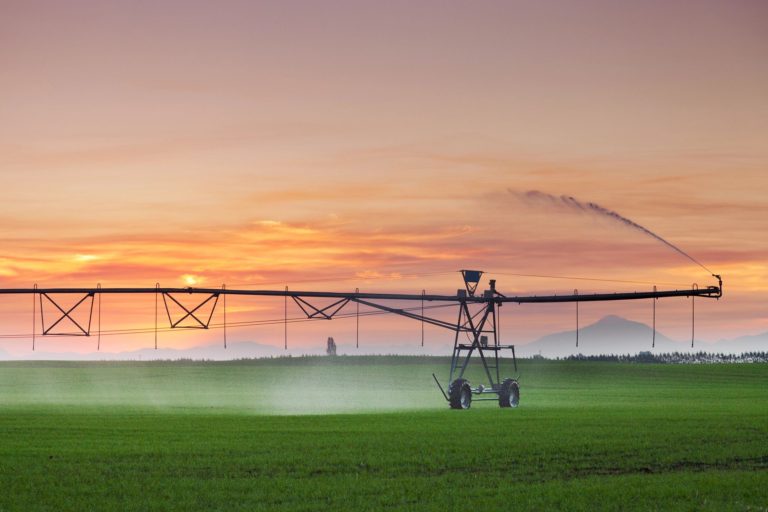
(384,145)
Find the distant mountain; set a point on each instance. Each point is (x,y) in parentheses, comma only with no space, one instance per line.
(754,343)
(610,335)
(403,349)
(213,352)
(216,352)
(239,350)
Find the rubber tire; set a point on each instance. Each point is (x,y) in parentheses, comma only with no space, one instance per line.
(509,396)
(459,394)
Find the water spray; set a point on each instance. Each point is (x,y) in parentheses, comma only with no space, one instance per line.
(595,209)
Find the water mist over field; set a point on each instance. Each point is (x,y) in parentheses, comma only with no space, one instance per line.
(313,385)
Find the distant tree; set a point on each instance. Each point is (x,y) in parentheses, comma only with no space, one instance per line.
(331,347)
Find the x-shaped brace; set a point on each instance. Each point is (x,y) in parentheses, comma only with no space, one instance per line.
(313,312)
(82,331)
(190,313)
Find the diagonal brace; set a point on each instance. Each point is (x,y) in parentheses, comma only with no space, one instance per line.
(83,331)
(314,312)
(432,321)
(476,331)
(190,313)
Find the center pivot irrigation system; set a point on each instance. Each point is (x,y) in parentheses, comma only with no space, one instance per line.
(478,316)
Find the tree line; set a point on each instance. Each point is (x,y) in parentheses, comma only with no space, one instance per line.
(675,357)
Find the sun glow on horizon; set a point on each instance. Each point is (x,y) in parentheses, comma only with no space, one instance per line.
(84,258)
(192,280)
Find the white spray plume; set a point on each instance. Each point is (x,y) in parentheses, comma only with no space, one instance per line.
(571,203)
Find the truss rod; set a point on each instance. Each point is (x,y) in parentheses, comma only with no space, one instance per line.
(709,291)
(408,314)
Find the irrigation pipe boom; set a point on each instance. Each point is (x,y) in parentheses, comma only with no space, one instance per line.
(477,318)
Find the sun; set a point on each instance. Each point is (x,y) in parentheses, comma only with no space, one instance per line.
(190,279)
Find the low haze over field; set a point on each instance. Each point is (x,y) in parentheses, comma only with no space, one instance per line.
(383,146)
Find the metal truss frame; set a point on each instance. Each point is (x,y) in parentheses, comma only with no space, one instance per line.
(66,314)
(200,323)
(326,313)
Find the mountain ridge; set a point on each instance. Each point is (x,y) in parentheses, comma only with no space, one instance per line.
(612,334)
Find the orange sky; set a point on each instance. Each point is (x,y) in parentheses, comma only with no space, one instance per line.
(272,143)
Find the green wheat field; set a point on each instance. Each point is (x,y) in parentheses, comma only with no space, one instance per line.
(374,433)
